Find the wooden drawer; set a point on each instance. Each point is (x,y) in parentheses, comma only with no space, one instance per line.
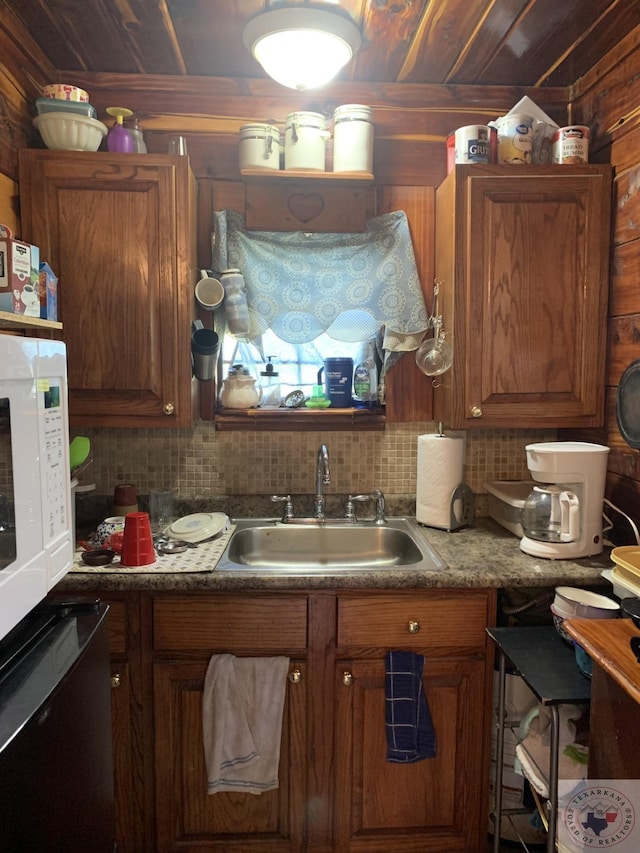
(444,621)
(230,623)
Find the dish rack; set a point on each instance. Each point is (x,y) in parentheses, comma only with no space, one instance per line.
(548,667)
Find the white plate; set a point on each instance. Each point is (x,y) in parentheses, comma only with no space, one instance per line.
(198,526)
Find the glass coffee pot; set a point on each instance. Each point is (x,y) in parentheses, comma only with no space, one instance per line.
(551,513)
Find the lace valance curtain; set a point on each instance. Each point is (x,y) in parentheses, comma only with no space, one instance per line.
(348,285)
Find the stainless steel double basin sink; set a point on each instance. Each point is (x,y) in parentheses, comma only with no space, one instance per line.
(273,547)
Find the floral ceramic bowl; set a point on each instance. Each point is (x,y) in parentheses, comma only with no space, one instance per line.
(109,533)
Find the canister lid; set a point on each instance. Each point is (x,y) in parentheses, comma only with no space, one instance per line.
(261,130)
(307,119)
(352,112)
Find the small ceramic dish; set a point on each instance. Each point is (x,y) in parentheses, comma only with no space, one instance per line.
(98,557)
(198,526)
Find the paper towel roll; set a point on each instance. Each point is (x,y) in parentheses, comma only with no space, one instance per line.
(440,469)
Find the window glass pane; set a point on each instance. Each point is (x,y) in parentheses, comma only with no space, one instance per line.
(297,365)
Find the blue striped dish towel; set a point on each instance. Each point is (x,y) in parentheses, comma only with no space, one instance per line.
(410,734)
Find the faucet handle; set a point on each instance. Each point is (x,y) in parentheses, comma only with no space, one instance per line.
(287,511)
(349,510)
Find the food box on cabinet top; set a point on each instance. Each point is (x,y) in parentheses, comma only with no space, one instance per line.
(25,287)
(48,292)
(19,273)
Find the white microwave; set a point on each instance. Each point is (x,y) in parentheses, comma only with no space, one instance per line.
(36,540)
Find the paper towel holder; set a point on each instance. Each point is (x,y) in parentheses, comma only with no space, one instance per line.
(462,507)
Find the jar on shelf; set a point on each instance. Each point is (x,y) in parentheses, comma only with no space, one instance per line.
(239,389)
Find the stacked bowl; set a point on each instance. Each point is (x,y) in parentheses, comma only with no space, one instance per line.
(66,120)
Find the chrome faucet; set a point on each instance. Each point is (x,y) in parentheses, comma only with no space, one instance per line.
(323,475)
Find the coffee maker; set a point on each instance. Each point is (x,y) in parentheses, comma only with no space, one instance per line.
(562,517)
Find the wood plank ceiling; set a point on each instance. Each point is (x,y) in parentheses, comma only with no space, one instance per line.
(482,42)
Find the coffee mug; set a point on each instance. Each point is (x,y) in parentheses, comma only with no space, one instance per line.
(209,292)
(205,346)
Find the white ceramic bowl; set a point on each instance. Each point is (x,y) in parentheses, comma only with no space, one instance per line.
(571,602)
(70,132)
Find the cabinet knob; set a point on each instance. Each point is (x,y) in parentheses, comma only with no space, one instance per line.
(476,412)
(413,626)
(295,676)
(347,678)
(115,680)
(168,408)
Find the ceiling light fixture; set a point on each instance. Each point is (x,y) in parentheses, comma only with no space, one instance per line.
(302,47)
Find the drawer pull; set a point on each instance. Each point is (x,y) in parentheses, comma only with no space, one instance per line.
(413,626)
(295,677)
(115,680)
(347,678)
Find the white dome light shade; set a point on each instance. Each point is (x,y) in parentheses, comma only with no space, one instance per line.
(302,47)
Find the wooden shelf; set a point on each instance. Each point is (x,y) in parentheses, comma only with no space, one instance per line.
(19,321)
(314,202)
(293,419)
(305,175)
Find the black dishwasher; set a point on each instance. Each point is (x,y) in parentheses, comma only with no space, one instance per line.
(56,771)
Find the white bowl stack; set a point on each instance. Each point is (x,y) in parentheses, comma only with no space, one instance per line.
(68,129)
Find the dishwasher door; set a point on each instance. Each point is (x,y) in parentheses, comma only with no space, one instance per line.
(56,771)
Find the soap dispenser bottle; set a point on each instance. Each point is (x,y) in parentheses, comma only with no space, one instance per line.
(270,381)
(119,139)
(365,377)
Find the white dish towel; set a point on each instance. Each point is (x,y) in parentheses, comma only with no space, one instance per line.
(242,708)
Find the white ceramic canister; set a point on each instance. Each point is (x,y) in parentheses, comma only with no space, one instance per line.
(352,138)
(304,141)
(515,138)
(570,144)
(259,146)
(472,144)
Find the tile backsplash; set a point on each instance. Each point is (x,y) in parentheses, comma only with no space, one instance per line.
(201,462)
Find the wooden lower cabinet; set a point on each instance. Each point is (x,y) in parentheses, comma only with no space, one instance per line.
(437,804)
(337,793)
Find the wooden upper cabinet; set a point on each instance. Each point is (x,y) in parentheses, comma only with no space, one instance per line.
(120,233)
(522,256)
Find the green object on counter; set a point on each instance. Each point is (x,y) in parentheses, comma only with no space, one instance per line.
(79,451)
(317,400)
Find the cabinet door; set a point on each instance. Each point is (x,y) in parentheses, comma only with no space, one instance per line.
(187,816)
(432,805)
(119,231)
(522,255)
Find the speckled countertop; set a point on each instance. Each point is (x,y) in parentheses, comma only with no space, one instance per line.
(484,555)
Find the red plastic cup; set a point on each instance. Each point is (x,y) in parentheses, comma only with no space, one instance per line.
(137,541)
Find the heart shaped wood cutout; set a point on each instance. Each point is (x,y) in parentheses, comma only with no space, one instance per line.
(305,206)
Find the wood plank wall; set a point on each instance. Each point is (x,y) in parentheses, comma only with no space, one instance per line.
(412,122)
(607,100)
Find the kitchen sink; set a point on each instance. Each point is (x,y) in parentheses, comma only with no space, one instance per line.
(327,547)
